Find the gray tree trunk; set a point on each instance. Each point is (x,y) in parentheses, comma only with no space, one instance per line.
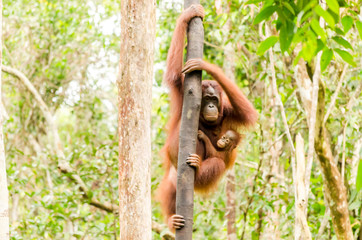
(189,126)
(138,25)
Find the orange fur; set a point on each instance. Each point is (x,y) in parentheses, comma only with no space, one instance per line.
(235,111)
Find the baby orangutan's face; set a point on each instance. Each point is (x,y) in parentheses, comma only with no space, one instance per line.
(227,140)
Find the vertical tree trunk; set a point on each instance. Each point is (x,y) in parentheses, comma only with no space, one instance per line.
(301,225)
(231,204)
(134,118)
(335,190)
(4,194)
(188,130)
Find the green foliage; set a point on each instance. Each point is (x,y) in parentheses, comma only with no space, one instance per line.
(326,58)
(346,56)
(333,5)
(298,23)
(359,27)
(343,42)
(318,30)
(326,15)
(347,23)
(266,44)
(265,13)
(359,177)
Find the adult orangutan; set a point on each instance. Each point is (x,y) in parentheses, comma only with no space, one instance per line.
(223,107)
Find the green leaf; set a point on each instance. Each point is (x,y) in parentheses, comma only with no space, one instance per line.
(343,42)
(320,46)
(266,44)
(339,31)
(346,56)
(253,1)
(326,58)
(286,36)
(321,12)
(359,28)
(359,177)
(264,14)
(301,4)
(288,6)
(347,23)
(318,30)
(310,45)
(333,5)
(282,18)
(334,15)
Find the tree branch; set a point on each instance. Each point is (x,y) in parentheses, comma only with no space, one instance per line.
(158,228)
(312,121)
(336,92)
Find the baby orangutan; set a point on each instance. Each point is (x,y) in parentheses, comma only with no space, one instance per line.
(225,146)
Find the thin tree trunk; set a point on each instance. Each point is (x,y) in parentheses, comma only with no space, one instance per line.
(231,204)
(134,83)
(335,190)
(312,123)
(301,225)
(188,129)
(4,194)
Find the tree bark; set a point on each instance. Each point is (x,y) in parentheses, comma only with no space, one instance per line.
(335,190)
(312,122)
(301,225)
(134,83)
(188,130)
(4,193)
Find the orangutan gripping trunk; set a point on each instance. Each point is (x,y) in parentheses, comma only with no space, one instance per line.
(219,114)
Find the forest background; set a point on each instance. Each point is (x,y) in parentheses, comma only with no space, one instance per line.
(60,64)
